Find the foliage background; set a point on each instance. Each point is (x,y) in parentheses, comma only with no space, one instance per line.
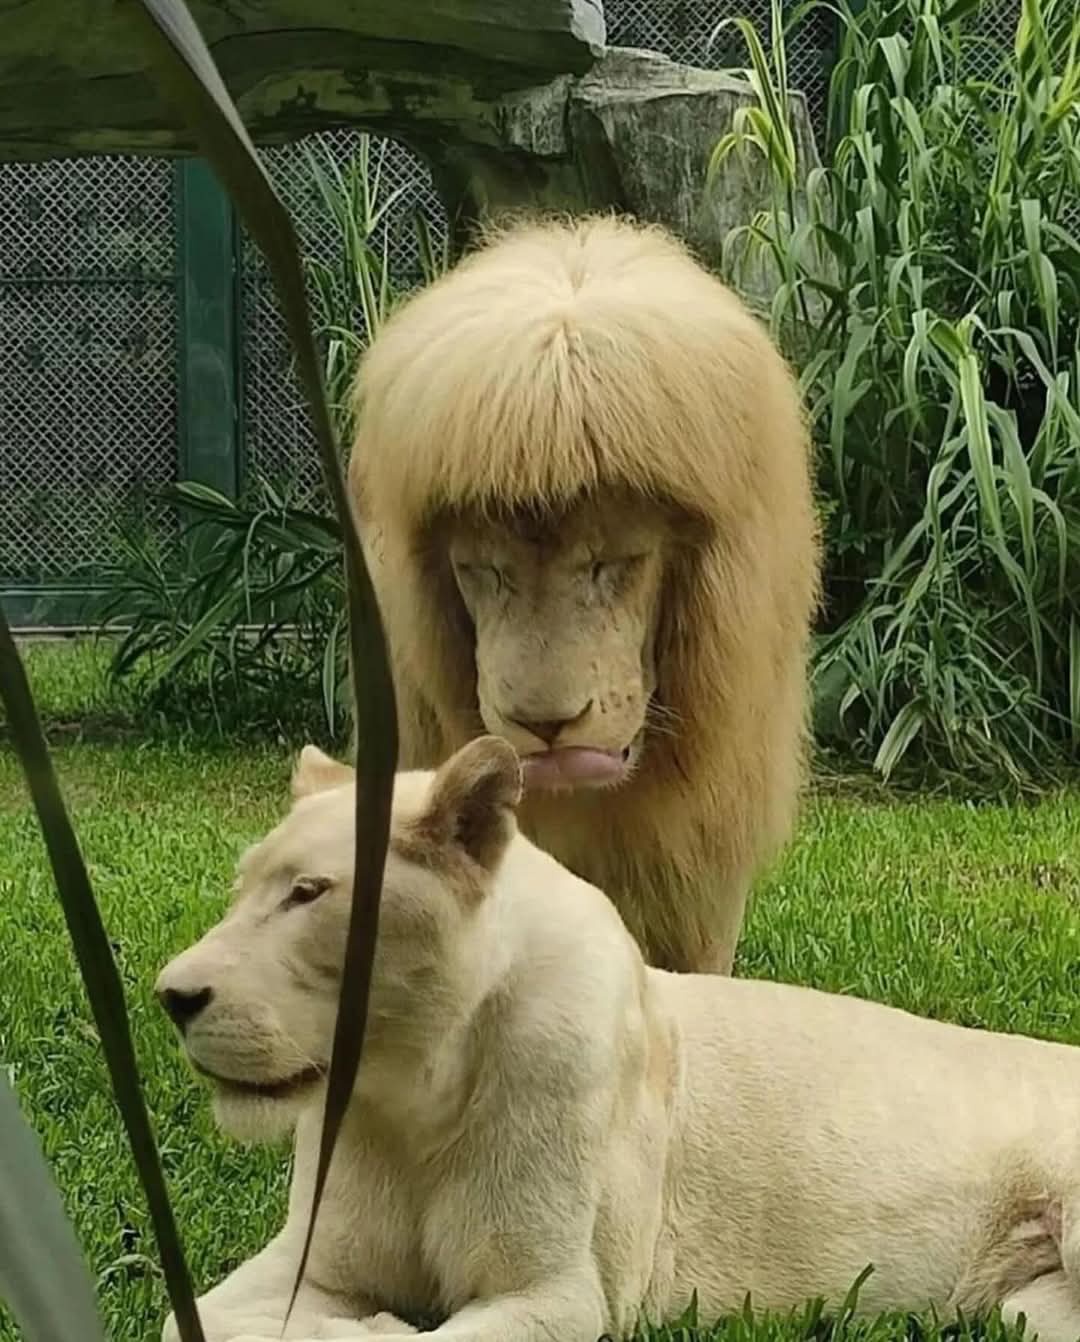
(929,294)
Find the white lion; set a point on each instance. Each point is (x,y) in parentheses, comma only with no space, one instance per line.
(550,1140)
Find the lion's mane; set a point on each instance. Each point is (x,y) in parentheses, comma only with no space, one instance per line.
(564,359)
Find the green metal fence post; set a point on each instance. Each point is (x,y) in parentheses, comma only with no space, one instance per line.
(207,405)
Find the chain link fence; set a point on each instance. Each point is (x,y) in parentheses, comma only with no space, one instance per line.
(88,309)
(88,352)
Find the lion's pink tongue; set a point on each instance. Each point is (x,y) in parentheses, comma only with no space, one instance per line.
(571,767)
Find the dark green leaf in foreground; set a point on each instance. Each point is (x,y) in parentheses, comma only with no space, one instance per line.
(98,969)
(42,1274)
(188,73)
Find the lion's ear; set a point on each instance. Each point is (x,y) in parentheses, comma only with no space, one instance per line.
(473,798)
(317,772)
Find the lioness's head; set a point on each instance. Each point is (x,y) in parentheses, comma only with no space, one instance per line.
(565,610)
(256,998)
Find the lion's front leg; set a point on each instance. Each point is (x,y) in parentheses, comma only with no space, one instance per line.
(254,1298)
(700,931)
(383,1324)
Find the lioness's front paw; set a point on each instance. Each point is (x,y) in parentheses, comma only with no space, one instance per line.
(382,1324)
(387,1326)
(220,1326)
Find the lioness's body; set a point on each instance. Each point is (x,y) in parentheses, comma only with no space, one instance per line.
(818,1133)
(585,396)
(549,1139)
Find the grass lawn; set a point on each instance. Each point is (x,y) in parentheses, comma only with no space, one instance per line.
(967,913)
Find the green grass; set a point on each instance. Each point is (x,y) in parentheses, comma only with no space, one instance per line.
(79,699)
(961,911)
(72,687)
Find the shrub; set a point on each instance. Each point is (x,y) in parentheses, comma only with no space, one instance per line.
(930,294)
(242,619)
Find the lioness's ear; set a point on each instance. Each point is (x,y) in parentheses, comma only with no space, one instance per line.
(316,772)
(472,800)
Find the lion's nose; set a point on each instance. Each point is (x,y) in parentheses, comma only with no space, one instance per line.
(548,729)
(184,1005)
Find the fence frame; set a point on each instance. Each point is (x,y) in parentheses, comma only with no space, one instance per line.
(210,335)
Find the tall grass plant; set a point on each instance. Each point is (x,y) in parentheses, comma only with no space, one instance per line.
(930,295)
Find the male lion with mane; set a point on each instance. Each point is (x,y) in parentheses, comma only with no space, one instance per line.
(581,476)
(547,1140)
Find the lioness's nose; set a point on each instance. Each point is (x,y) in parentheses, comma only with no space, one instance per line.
(548,729)
(184,1005)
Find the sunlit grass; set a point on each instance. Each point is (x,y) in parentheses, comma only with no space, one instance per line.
(964,912)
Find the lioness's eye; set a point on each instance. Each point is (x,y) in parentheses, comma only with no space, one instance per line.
(305,889)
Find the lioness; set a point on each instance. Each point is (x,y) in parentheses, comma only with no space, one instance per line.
(549,1139)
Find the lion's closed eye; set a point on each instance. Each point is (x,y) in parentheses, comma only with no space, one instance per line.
(475,573)
(614,566)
